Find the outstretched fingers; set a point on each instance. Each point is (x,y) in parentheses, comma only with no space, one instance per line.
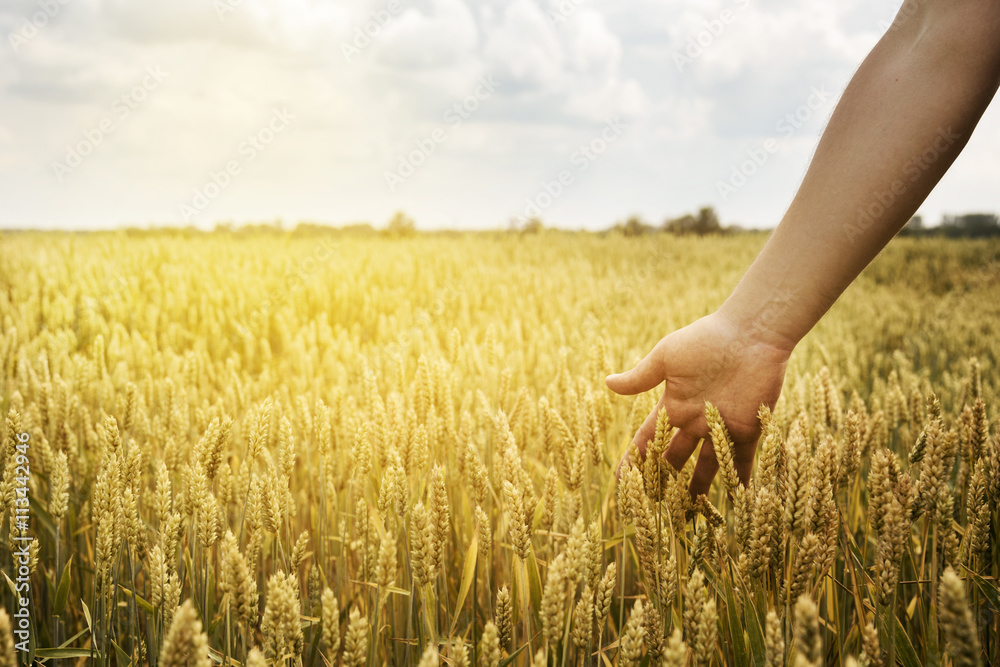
(743,457)
(648,373)
(708,465)
(641,437)
(682,445)
(704,470)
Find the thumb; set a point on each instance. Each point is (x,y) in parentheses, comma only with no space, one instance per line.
(648,373)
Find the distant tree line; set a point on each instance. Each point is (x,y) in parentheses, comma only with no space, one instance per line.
(706,221)
(702,223)
(968,226)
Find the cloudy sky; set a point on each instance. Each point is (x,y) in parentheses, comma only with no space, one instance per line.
(463,113)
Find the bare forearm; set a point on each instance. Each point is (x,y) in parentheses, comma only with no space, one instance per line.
(901,122)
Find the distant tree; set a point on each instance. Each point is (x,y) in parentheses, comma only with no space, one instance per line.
(708,222)
(682,225)
(401,225)
(532,226)
(634,226)
(971,225)
(705,222)
(914,227)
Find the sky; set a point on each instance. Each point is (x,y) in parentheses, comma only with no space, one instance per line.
(464,114)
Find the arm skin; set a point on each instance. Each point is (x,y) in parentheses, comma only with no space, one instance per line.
(901,122)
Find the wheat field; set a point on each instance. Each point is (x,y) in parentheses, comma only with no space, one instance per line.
(334,449)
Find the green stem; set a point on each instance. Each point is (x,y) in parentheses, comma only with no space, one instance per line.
(621,588)
(375,624)
(565,641)
(55,619)
(890,621)
(526,604)
(475,606)
(933,639)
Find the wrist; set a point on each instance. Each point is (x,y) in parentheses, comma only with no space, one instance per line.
(767,319)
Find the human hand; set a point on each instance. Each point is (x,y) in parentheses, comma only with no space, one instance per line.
(713,360)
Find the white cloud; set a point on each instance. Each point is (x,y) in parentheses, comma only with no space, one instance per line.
(564,68)
(562,65)
(594,49)
(440,38)
(523,49)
